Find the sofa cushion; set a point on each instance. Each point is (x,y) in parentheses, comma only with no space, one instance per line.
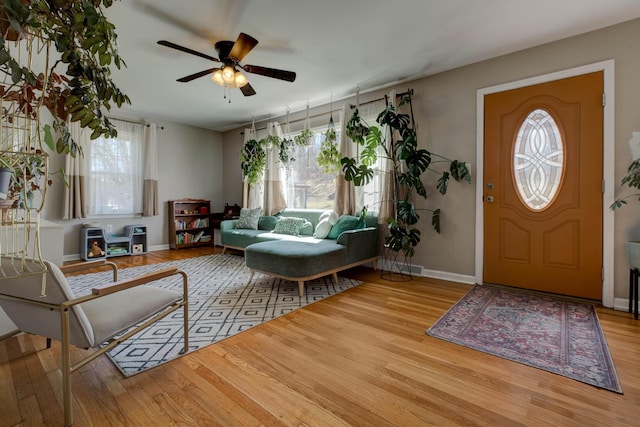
(295,258)
(346,222)
(289,225)
(322,229)
(249,218)
(267,222)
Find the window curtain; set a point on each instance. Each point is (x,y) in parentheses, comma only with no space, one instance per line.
(78,196)
(73,205)
(268,194)
(387,189)
(122,156)
(274,199)
(345,201)
(150,160)
(374,195)
(251,194)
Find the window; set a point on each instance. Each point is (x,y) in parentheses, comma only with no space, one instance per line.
(307,186)
(114,172)
(538,160)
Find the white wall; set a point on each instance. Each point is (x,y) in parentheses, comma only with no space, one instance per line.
(445,109)
(190,164)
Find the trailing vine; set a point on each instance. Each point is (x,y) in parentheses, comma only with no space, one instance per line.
(253,160)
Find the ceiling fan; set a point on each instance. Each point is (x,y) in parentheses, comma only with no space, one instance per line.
(231,53)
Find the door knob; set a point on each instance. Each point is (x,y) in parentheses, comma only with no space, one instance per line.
(490,199)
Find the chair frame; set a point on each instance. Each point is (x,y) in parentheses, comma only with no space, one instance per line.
(98,292)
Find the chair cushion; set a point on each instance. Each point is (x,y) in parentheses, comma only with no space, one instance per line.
(114,313)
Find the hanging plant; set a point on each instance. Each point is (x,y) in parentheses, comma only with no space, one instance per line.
(329,156)
(408,164)
(285,151)
(253,159)
(303,138)
(86,44)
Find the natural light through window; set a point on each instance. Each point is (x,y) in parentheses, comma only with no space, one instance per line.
(538,160)
(114,174)
(307,186)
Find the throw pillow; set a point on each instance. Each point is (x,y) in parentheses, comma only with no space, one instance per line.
(249,218)
(306,229)
(322,229)
(345,222)
(289,225)
(267,222)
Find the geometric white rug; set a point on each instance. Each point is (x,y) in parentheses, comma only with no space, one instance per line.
(221,304)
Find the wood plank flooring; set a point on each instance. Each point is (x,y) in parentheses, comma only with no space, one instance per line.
(359,358)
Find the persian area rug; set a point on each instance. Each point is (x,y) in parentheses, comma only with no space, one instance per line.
(554,334)
(221,304)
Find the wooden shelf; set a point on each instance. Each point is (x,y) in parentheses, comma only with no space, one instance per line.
(190,223)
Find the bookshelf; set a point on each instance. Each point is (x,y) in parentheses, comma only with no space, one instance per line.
(190,223)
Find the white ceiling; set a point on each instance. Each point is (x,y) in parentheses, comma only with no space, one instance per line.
(334,46)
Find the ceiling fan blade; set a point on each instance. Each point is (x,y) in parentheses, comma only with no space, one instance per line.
(270,72)
(242,46)
(247,90)
(187,50)
(188,78)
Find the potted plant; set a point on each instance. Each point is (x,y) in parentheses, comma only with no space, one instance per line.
(79,48)
(76,84)
(408,162)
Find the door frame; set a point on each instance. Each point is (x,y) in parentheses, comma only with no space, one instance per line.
(608,176)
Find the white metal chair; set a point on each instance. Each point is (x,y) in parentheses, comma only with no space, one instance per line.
(36,296)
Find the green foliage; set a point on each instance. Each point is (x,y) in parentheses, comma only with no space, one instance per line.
(253,159)
(303,138)
(86,42)
(329,157)
(285,148)
(409,163)
(631,180)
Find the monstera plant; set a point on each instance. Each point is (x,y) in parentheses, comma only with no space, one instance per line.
(397,140)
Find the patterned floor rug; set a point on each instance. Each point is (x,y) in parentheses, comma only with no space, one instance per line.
(221,304)
(554,334)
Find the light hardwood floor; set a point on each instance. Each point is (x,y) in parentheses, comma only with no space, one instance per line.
(358,358)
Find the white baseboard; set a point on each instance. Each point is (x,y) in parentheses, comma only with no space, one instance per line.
(451,277)
(621,304)
(420,271)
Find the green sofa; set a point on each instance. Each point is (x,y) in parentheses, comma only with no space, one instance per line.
(301,257)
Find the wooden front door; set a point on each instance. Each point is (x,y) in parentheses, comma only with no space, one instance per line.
(543,159)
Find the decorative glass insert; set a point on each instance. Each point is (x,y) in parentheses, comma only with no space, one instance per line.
(538,160)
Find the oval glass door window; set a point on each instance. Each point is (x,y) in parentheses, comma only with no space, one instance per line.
(538,160)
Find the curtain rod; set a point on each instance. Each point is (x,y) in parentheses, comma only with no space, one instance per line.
(386,98)
(136,123)
(313,116)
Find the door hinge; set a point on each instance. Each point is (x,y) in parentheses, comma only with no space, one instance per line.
(603,186)
(604,99)
(603,274)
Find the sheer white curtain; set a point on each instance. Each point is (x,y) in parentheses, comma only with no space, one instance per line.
(345,201)
(268,193)
(349,198)
(114,176)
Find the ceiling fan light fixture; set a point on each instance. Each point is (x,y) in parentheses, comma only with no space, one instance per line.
(240,79)
(228,74)
(217,77)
